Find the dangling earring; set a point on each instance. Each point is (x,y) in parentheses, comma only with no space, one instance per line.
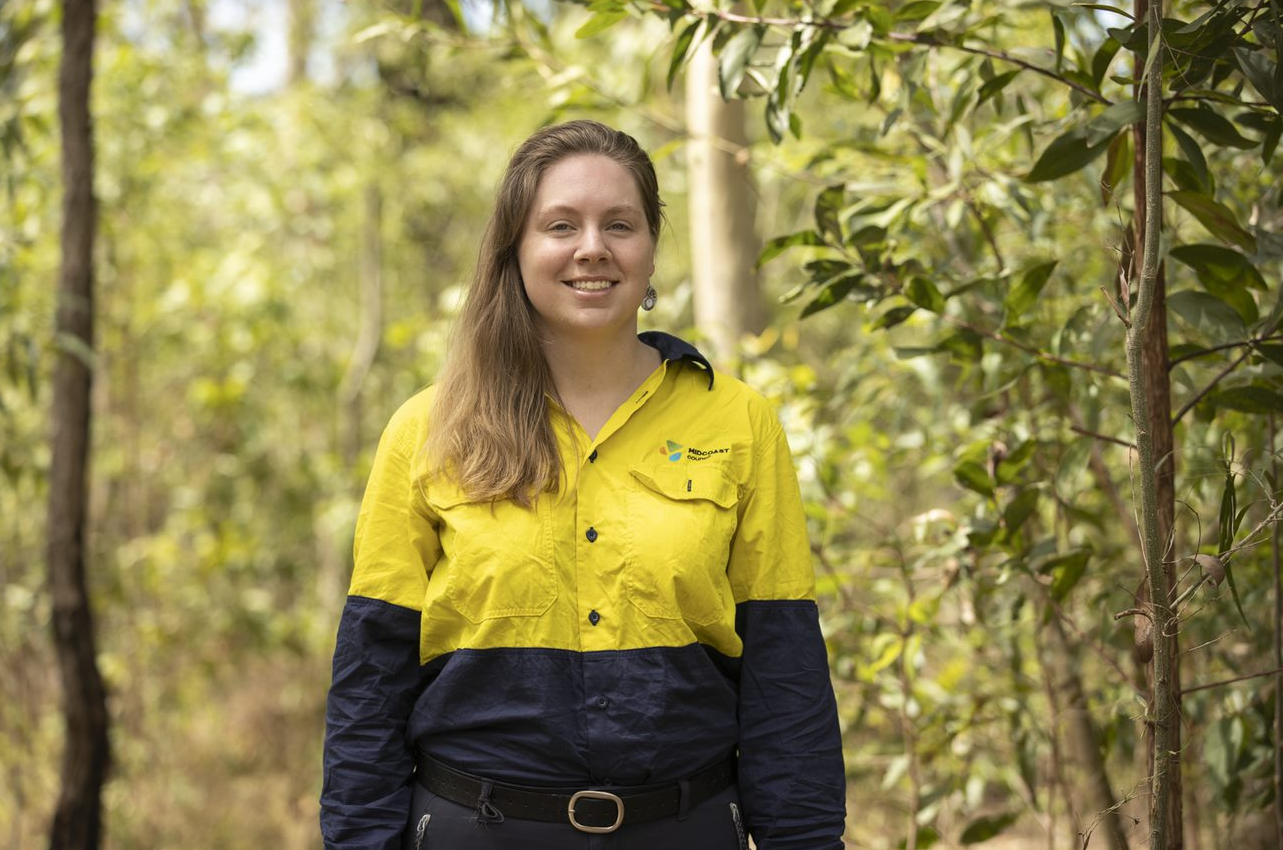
(648,300)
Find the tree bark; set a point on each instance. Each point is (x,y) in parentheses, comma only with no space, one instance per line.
(1089,792)
(1276,538)
(723,205)
(77,820)
(1148,367)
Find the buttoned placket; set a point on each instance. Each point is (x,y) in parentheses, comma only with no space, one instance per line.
(600,525)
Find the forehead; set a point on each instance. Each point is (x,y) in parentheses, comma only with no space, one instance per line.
(589,181)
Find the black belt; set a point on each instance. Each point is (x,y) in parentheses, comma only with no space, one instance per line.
(593,809)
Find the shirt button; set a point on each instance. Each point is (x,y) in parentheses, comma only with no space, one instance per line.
(591,534)
(602,702)
(594,617)
(592,458)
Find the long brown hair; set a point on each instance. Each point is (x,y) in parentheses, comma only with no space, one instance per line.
(489,429)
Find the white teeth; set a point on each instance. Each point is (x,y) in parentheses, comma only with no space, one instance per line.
(590,285)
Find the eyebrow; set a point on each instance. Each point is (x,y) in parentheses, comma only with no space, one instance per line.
(567,208)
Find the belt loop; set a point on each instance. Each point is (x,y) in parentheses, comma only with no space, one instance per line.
(683,798)
(486,811)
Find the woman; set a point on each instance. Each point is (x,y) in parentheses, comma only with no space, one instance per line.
(582,613)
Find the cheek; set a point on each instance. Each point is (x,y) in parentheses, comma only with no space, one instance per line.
(535,259)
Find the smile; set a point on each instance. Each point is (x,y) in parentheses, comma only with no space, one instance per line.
(589,285)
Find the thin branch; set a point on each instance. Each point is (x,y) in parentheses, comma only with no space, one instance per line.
(1244,678)
(1253,342)
(997,336)
(927,41)
(1105,437)
(1276,511)
(988,234)
(908,38)
(1250,104)
(1211,386)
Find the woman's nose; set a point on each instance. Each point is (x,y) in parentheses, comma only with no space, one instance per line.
(592,245)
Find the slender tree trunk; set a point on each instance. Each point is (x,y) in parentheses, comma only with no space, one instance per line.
(1277,562)
(370,334)
(1147,364)
(723,205)
(1088,790)
(77,820)
(302,25)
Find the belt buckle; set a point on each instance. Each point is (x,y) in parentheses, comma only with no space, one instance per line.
(595,795)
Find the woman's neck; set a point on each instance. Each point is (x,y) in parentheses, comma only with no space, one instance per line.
(594,377)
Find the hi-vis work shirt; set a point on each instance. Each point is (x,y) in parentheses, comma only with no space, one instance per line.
(653,616)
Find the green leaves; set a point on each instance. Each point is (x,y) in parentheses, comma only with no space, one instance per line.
(1025,293)
(1248,399)
(780,244)
(833,292)
(734,58)
(1211,125)
(606,13)
(922,292)
(1107,124)
(987,826)
(1210,316)
(1261,73)
(680,48)
(971,475)
(1066,154)
(1216,217)
(1225,273)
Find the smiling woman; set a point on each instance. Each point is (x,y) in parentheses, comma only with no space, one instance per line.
(566,623)
(586,257)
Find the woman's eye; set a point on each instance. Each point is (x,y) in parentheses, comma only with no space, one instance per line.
(560,227)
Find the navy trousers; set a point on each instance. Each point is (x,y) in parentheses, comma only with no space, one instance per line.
(439,824)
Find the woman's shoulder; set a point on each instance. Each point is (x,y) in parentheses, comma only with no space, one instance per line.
(723,394)
(408,426)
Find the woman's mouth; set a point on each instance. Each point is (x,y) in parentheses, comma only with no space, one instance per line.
(589,285)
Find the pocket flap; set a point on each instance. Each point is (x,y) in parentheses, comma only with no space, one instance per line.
(686,482)
(443,495)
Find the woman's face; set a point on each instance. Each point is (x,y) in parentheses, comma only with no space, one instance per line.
(586,254)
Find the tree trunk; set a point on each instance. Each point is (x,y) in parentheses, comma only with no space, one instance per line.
(77,820)
(723,204)
(302,26)
(1148,367)
(370,334)
(1088,790)
(1276,537)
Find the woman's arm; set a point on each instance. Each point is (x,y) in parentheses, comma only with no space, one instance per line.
(792,779)
(368,760)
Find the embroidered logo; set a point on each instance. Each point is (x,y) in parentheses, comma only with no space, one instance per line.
(674,451)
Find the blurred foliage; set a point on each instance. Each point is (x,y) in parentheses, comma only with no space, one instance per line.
(941,353)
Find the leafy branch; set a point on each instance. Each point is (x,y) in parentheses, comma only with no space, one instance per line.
(1251,346)
(998,336)
(921,39)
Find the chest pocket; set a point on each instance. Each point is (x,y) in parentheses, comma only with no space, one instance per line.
(496,557)
(682,518)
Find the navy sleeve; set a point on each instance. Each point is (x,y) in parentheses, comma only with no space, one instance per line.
(369,764)
(791,776)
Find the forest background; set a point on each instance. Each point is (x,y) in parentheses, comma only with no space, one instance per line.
(289,198)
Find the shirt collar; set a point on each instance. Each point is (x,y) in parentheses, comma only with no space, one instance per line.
(672,348)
